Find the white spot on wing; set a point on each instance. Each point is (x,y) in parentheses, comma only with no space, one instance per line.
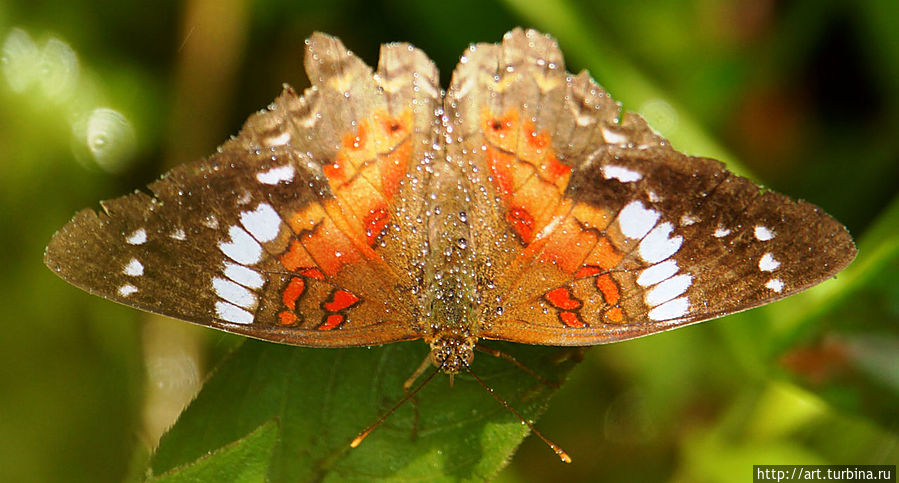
(657,273)
(620,173)
(688,219)
(775,284)
(721,232)
(232,313)
(278,140)
(263,223)
(234,293)
(670,310)
(763,233)
(669,289)
(139,237)
(245,198)
(276,175)
(429,89)
(242,248)
(613,137)
(656,246)
(636,220)
(767,263)
(243,275)
(127,290)
(179,235)
(211,222)
(134,268)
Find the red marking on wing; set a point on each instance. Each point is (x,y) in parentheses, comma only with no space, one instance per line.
(313,273)
(335,171)
(375,222)
(561,298)
(572,319)
(340,300)
(292,292)
(587,271)
(332,321)
(609,289)
(522,222)
(286,317)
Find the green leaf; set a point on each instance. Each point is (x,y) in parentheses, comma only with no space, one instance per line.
(245,460)
(323,398)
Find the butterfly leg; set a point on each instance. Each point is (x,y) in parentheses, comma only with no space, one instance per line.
(502,355)
(408,385)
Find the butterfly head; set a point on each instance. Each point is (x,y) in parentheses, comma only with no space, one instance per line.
(452,351)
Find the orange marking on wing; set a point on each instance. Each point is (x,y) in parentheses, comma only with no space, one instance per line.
(325,246)
(591,217)
(393,168)
(292,292)
(286,317)
(522,222)
(375,222)
(534,147)
(357,141)
(561,298)
(539,199)
(569,246)
(295,257)
(572,319)
(330,248)
(339,300)
(307,219)
(313,273)
(332,321)
(609,289)
(501,169)
(605,255)
(534,139)
(614,315)
(555,171)
(390,130)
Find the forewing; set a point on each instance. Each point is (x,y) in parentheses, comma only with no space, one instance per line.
(288,232)
(595,229)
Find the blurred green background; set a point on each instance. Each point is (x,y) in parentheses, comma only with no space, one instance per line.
(100,97)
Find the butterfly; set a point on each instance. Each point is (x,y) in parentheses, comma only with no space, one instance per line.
(520,204)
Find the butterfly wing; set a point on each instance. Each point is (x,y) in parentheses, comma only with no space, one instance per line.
(288,232)
(593,229)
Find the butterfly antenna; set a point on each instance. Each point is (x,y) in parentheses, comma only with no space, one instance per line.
(386,415)
(553,446)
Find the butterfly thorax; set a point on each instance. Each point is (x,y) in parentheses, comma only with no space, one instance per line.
(452,350)
(449,301)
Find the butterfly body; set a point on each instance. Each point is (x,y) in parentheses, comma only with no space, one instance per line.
(520,204)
